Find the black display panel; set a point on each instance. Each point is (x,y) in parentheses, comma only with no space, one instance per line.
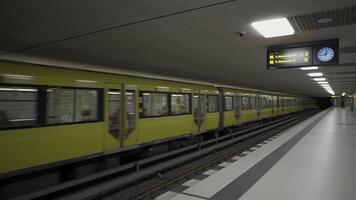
(291,57)
(301,55)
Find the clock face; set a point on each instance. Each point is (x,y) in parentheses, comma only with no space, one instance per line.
(326,54)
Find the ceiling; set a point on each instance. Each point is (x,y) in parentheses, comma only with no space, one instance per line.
(188,39)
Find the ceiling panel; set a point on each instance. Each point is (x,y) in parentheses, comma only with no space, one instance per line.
(201,44)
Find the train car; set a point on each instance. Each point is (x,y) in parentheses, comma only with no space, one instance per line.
(54,116)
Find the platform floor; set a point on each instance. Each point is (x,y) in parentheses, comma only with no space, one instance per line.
(310,161)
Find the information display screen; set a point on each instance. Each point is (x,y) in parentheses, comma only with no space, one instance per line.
(291,57)
(317,53)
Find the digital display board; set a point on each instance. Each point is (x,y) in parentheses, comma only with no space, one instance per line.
(301,55)
(290,57)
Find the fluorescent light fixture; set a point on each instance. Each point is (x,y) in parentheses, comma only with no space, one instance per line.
(114,93)
(309,68)
(16,76)
(274,27)
(323,82)
(343,94)
(319,79)
(17,90)
(315,74)
(86,81)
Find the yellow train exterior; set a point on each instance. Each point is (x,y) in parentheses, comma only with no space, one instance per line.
(50,114)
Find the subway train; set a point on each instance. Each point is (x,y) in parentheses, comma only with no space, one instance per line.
(51,116)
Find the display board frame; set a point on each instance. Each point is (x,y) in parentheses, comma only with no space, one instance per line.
(313,46)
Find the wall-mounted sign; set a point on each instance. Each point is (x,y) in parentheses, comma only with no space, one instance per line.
(301,55)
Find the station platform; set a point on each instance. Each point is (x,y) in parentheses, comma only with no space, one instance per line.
(312,160)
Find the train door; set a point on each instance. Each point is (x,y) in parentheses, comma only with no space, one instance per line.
(274,105)
(237,105)
(131,116)
(199,109)
(121,116)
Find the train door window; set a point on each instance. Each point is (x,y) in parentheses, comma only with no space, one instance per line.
(180,104)
(275,101)
(86,105)
(280,102)
(265,101)
(228,104)
(154,104)
(195,105)
(18,106)
(60,106)
(131,111)
(252,104)
(213,103)
(245,103)
(202,104)
(114,97)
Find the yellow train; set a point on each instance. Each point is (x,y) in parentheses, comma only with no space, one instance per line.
(52,116)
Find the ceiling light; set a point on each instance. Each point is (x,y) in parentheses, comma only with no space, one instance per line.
(315,74)
(343,94)
(319,79)
(324,20)
(309,68)
(274,27)
(323,82)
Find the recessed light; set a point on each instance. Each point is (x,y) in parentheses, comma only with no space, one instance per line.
(324,20)
(309,68)
(343,94)
(274,27)
(323,82)
(315,74)
(319,79)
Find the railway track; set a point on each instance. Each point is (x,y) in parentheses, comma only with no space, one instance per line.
(147,178)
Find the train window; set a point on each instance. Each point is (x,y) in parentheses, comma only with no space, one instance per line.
(180,104)
(71,105)
(265,102)
(86,105)
(18,106)
(281,103)
(154,104)
(213,103)
(245,103)
(60,106)
(228,104)
(275,101)
(114,112)
(252,104)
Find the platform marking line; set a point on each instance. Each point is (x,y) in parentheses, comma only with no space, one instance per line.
(236,158)
(224,164)
(191,182)
(166,196)
(210,172)
(185,196)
